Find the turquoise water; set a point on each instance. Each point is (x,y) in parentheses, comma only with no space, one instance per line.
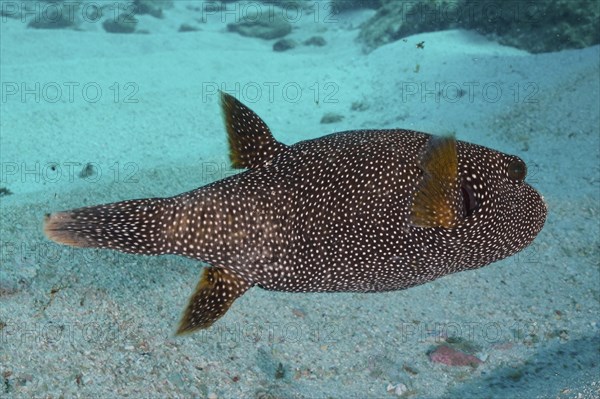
(92,116)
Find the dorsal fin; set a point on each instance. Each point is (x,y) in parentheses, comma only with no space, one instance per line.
(251,143)
(437,201)
(214,294)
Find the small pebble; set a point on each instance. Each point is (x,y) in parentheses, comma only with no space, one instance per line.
(284,45)
(331,117)
(453,357)
(315,41)
(359,106)
(400,390)
(188,28)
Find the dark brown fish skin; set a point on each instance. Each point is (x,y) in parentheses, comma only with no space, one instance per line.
(334,214)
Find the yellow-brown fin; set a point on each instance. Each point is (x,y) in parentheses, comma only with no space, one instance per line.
(57,227)
(251,143)
(217,290)
(438,199)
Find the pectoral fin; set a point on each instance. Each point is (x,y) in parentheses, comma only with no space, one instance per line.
(214,294)
(438,199)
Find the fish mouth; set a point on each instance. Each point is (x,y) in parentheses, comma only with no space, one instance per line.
(539,211)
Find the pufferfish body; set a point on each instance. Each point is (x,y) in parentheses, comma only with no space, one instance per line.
(356,211)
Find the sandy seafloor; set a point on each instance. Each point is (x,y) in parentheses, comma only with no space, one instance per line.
(100,324)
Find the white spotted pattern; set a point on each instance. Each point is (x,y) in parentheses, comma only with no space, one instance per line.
(330,214)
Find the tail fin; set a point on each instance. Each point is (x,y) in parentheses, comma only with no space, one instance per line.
(135,226)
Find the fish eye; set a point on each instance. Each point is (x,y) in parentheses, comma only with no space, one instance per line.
(517,170)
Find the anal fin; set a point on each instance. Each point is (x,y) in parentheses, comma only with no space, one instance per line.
(217,290)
